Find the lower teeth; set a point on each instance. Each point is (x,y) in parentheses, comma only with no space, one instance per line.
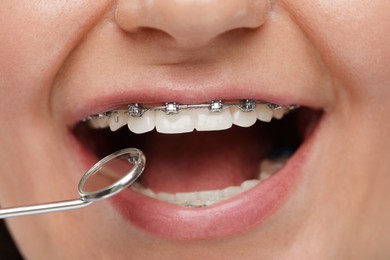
(198,199)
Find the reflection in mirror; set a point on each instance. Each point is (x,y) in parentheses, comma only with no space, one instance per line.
(109,173)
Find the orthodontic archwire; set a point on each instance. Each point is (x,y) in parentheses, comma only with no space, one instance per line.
(173,108)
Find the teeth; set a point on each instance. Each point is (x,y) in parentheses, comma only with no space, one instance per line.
(205,198)
(249,184)
(117,120)
(175,118)
(210,197)
(143,124)
(206,121)
(100,122)
(163,196)
(231,192)
(243,119)
(269,167)
(264,113)
(177,123)
(185,198)
(279,113)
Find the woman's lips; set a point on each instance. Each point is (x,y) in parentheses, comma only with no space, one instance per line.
(224,219)
(227,218)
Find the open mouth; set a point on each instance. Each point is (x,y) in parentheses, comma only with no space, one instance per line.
(201,155)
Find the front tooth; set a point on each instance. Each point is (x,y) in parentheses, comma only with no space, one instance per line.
(182,122)
(264,113)
(117,120)
(209,121)
(209,197)
(167,197)
(142,124)
(243,119)
(206,194)
(185,198)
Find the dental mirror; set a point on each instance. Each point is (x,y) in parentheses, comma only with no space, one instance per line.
(109,176)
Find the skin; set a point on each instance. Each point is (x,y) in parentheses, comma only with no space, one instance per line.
(337,53)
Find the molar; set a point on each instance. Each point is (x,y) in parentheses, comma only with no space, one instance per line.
(270,167)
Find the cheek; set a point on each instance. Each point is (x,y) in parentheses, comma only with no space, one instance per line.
(354,40)
(35,40)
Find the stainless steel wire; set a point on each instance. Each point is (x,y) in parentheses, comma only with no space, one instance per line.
(123,180)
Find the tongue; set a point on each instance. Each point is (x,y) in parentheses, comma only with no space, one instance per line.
(202,160)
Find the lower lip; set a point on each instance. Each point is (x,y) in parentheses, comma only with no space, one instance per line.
(229,218)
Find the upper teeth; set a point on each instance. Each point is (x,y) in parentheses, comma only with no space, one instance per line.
(177,118)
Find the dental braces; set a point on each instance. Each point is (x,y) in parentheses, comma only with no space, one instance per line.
(173,108)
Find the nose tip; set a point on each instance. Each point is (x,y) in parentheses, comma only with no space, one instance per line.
(191,23)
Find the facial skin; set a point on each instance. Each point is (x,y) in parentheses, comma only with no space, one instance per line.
(335,55)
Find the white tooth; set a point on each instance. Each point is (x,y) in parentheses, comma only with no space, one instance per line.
(185,198)
(148,192)
(208,197)
(264,175)
(231,192)
(243,119)
(182,122)
(205,195)
(117,120)
(167,197)
(264,113)
(136,186)
(271,166)
(99,122)
(279,113)
(249,184)
(142,124)
(209,121)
